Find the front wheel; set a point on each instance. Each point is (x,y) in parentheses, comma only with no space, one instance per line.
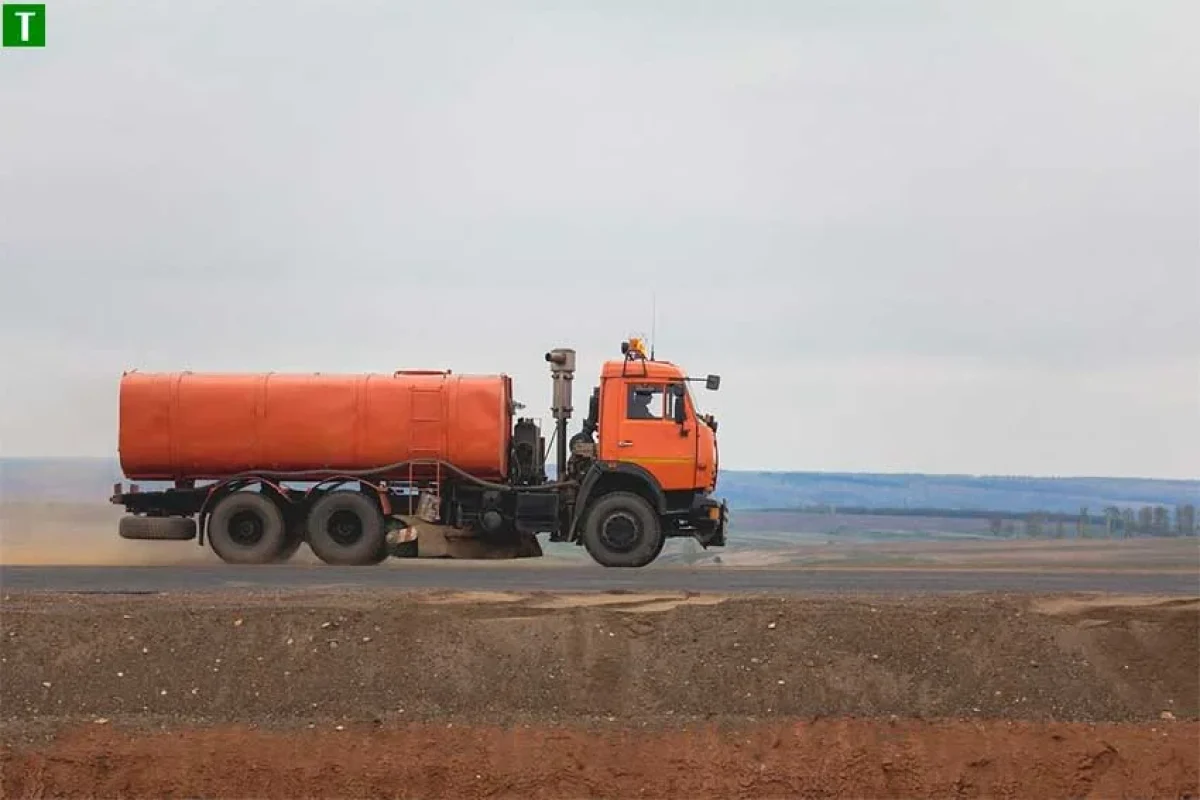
(622,530)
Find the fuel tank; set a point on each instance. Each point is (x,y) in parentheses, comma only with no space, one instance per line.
(185,425)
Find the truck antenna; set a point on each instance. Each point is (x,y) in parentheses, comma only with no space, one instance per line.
(653,322)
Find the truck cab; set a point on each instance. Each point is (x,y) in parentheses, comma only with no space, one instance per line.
(645,449)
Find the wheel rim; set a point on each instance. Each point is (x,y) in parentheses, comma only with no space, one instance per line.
(620,531)
(344,528)
(246,528)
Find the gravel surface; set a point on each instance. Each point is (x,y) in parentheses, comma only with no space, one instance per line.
(293,658)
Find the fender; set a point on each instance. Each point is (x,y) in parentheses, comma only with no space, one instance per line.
(599,470)
(218,491)
(333,482)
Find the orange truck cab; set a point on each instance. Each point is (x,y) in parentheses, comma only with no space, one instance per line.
(645,446)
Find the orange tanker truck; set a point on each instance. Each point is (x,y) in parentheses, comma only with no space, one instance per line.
(418,464)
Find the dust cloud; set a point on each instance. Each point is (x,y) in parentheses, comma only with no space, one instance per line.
(82,534)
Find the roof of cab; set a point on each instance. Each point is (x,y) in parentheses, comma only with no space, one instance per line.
(636,368)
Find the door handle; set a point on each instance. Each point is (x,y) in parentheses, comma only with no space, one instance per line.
(624,443)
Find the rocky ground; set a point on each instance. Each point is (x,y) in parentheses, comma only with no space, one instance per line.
(608,695)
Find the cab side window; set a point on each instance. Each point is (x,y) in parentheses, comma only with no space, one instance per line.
(644,401)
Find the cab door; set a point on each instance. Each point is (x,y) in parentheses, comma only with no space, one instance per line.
(640,429)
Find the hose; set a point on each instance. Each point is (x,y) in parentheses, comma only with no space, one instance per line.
(318,474)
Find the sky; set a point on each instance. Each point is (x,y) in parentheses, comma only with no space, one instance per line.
(936,236)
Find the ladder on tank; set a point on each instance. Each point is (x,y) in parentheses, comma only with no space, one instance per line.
(427,431)
(424,497)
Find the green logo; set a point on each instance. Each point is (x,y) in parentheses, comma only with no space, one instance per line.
(23,25)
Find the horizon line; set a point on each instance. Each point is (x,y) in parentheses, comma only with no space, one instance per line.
(897,474)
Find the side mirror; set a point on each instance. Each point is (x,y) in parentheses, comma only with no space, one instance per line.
(679,414)
(712,382)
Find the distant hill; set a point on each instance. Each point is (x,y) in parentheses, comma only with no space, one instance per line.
(91,479)
(788,490)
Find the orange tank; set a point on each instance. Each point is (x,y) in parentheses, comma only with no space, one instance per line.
(176,426)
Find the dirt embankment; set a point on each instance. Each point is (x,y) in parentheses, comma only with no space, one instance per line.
(610,695)
(825,758)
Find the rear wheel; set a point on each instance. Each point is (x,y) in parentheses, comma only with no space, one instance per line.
(622,530)
(347,529)
(380,556)
(290,546)
(247,528)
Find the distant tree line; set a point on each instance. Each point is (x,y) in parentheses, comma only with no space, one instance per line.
(1111,522)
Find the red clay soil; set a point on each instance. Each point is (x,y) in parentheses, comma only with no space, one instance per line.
(824,758)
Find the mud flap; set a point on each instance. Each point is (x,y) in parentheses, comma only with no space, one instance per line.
(712,534)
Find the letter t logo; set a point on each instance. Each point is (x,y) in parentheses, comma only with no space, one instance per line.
(24,25)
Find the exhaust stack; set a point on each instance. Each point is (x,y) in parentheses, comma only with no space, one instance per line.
(562,372)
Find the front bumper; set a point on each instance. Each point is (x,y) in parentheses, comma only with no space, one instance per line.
(710,518)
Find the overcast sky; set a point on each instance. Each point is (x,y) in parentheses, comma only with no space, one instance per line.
(939,236)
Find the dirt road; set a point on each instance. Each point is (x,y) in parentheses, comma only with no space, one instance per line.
(530,695)
(501,577)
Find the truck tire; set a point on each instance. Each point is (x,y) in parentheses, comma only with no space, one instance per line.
(347,529)
(247,528)
(295,518)
(163,529)
(622,530)
(381,555)
(290,545)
